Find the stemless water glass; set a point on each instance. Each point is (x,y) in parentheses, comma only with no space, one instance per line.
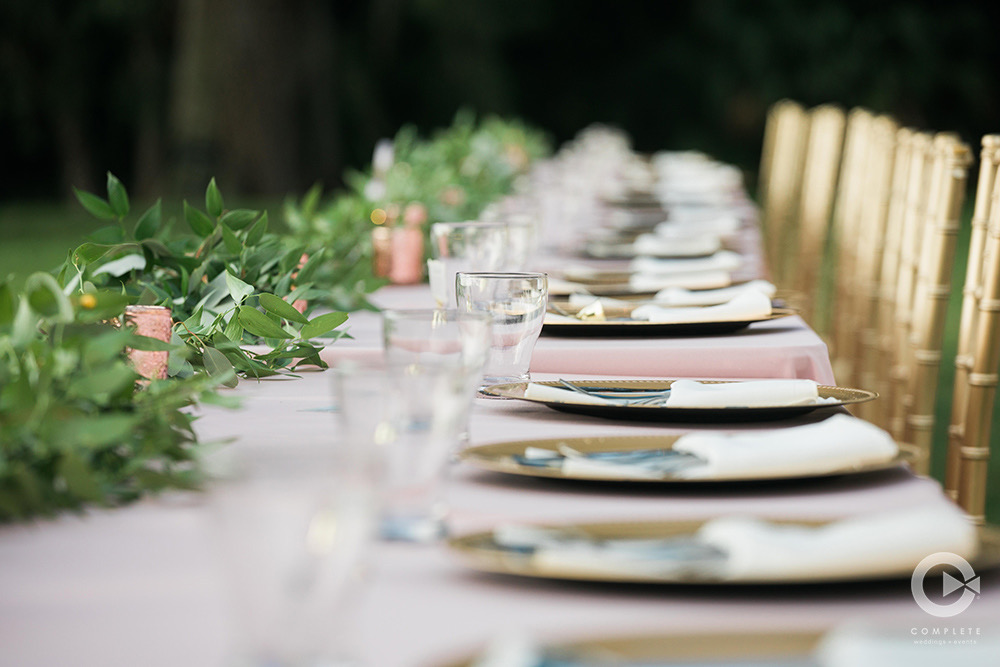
(463,246)
(294,520)
(430,335)
(516,301)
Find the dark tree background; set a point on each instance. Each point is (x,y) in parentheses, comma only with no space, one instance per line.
(272,95)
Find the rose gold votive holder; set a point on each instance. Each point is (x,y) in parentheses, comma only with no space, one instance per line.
(154,322)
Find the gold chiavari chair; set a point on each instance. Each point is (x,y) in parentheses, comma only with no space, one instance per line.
(982,376)
(844,228)
(885,325)
(971,291)
(865,277)
(819,181)
(933,287)
(911,237)
(785,137)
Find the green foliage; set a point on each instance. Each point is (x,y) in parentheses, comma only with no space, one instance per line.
(229,282)
(75,427)
(452,176)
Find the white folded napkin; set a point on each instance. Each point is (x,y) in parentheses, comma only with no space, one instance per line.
(584,300)
(724,260)
(838,443)
(749,549)
(651,282)
(678,245)
(887,543)
(706,223)
(678,296)
(543,392)
(742,394)
(559,286)
(750,305)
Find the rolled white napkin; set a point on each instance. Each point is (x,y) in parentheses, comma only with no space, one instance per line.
(651,282)
(887,543)
(755,550)
(721,225)
(678,296)
(543,392)
(584,300)
(724,260)
(560,286)
(743,394)
(833,444)
(678,245)
(750,305)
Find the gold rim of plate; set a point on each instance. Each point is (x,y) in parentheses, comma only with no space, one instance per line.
(481,552)
(738,646)
(625,311)
(498,457)
(841,395)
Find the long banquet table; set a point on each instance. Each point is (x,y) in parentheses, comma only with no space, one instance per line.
(142,584)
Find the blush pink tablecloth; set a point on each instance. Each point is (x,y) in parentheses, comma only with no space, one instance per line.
(782,348)
(143,584)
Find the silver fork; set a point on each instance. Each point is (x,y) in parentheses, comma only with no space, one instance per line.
(650,397)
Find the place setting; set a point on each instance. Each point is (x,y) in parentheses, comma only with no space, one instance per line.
(732,550)
(838,445)
(683,400)
(670,312)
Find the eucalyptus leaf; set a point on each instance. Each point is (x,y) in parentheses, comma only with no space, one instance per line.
(233,244)
(150,344)
(117,196)
(239,219)
(256,233)
(8,304)
(46,297)
(78,476)
(219,367)
(158,248)
(99,305)
(213,200)
(322,324)
(281,308)
(200,223)
(238,289)
(149,222)
(96,431)
(96,206)
(260,324)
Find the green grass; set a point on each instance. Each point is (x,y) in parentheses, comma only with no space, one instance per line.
(37,236)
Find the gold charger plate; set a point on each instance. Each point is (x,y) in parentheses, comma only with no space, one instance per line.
(841,396)
(501,457)
(480,551)
(619,323)
(737,647)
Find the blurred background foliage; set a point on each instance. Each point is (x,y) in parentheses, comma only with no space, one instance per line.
(271,97)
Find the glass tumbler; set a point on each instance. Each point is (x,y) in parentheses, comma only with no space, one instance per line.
(516,302)
(463,246)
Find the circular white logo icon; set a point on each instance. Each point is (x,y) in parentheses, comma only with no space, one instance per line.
(968,584)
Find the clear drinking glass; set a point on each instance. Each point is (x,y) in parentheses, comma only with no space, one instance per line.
(463,246)
(516,301)
(432,335)
(522,242)
(294,520)
(434,396)
(411,413)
